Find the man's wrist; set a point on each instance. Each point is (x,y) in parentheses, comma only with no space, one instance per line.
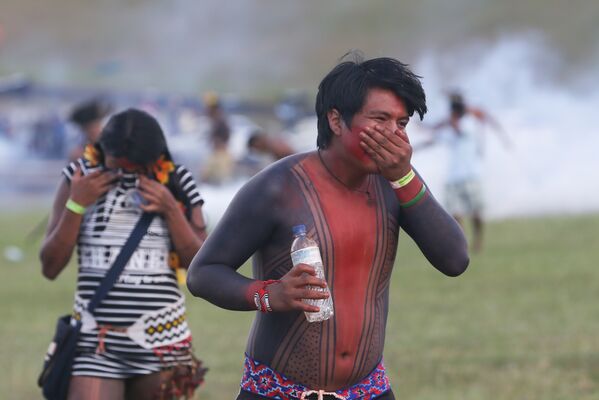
(409,203)
(404,180)
(258,295)
(411,190)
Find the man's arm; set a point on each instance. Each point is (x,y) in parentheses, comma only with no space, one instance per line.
(243,229)
(437,234)
(440,125)
(433,132)
(497,128)
(248,224)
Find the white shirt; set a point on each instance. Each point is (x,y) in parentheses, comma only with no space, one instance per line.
(465,155)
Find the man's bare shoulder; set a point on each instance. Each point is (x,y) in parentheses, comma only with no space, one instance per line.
(281,169)
(288,162)
(276,179)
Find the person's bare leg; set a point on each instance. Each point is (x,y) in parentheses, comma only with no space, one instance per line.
(147,386)
(93,388)
(477,228)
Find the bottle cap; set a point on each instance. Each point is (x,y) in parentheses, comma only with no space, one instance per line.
(299,230)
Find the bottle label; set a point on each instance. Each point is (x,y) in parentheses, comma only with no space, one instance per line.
(310,256)
(307,255)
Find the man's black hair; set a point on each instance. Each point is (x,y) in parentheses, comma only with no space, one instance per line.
(345,89)
(457,105)
(89,111)
(254,137)
(134,135)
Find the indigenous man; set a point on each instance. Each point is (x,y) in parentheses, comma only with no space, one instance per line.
(353,195)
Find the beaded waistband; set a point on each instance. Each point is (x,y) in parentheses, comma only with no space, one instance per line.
(260,379)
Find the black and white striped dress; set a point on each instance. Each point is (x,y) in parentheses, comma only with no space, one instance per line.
(140,327)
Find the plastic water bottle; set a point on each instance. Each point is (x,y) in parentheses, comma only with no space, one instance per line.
(305,251)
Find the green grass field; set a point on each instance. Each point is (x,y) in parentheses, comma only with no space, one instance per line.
(521,323)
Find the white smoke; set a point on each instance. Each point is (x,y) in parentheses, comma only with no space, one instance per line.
(551,167)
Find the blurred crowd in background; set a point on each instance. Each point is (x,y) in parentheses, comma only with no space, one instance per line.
(217,135)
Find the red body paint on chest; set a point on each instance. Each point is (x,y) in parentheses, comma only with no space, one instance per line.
(352,226)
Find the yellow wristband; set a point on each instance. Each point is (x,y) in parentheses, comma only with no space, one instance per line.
(403,181)
(75,207)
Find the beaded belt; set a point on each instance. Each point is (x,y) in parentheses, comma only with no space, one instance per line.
(260,379)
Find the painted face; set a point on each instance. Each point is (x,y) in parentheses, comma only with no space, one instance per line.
(122,163)
(381,107)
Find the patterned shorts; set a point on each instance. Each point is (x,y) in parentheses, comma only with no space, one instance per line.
(261,380)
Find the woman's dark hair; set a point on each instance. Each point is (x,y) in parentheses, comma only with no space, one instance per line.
(134,135)
(345,89)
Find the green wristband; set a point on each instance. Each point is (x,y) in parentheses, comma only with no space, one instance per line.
(75,207)
(415,199)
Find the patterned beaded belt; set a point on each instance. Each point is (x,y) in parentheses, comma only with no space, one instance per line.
(163,327)
(260,379)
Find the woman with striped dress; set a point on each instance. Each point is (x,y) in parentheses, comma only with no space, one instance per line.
(137,344)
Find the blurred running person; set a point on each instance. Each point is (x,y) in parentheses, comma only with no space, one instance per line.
(463,133)
(89,117)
